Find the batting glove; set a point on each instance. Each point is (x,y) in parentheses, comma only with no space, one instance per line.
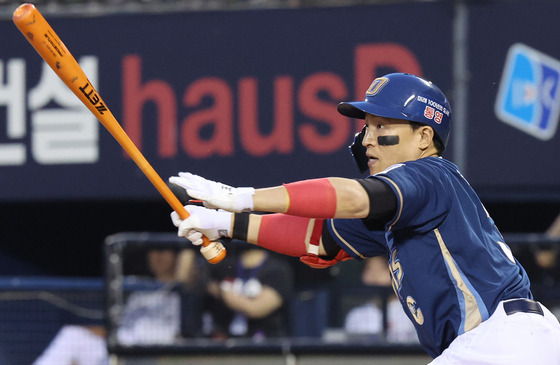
(211,223)
(215,195)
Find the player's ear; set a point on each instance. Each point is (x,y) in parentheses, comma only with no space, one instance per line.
(426,137)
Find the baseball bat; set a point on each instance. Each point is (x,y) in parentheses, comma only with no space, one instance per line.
(46,42)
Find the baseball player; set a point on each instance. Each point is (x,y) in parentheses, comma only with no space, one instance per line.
(457,280)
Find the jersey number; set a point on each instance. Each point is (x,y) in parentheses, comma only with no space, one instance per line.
(397,273)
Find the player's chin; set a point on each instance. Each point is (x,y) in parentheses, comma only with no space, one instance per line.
(374,166)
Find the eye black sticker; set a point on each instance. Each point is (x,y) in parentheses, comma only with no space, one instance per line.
(388,140)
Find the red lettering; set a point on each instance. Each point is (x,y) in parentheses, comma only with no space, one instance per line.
(429,112)
(208,128)
(136,95)
(218,117)
(313,105)
(370,57)
(281,138)
(438,118)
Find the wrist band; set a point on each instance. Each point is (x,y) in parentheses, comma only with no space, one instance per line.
(240,226)
(312,198)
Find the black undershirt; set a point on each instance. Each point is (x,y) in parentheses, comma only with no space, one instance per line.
(382,208)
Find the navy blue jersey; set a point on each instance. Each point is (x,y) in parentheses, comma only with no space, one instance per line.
(449,263)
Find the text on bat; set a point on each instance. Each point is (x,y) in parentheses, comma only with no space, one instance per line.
(93,98)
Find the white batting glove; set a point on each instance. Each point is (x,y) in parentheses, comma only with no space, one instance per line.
(202,221)
(215,195)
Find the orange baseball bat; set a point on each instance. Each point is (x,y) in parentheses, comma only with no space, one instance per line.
(49,46)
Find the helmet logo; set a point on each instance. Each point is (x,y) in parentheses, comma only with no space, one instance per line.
(376,86)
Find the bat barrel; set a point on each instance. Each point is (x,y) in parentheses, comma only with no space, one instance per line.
(23,11)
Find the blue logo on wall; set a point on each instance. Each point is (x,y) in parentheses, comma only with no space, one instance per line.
(529,94)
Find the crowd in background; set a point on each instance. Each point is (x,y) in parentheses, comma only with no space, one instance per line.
(251,295)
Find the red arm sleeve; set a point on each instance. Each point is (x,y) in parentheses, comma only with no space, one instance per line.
(302,232)
(289,235)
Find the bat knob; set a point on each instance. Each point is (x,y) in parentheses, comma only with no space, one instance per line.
(214,252)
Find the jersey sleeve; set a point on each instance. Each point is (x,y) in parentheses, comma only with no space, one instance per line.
(354,237)
(423,197)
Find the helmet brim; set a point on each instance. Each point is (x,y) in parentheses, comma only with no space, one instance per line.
(358,110)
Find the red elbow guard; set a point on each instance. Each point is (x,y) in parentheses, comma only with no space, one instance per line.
(312,198)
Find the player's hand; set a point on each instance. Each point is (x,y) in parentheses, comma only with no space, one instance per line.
(214,194)
(202,221)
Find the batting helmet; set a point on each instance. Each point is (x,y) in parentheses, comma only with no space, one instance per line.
(404,96)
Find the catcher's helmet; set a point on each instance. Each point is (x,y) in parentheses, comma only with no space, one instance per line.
(404,96)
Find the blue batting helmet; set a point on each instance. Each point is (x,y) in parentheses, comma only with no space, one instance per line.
(404,96)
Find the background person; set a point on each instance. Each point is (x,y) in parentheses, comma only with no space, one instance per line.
(152,317)
(248,295)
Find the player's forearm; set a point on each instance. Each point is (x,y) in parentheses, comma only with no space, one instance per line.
(317,198)
(285,234)
(273,200)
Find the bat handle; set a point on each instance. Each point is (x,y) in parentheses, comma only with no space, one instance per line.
(213,252)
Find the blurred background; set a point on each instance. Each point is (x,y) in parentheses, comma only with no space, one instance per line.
(245,92)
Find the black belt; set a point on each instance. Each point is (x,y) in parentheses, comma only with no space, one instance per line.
(522,305)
